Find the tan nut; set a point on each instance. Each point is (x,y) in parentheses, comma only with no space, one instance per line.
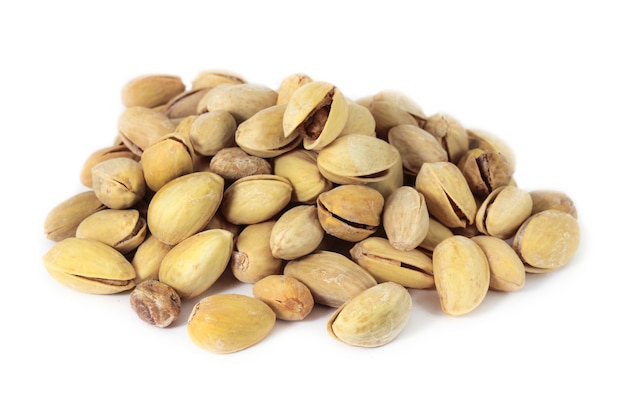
(405,218)
(123,230)
(289,298)
(62,221)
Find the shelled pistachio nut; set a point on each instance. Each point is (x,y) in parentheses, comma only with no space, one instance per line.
(503,211)
(89,266)
(506,270)
(296,233)
(151,90)
(228,323)
(252,258)
(289,298)
(299,166)
(409,268)
(168,158)
(123,230)
(405,218)
(62,221)
(119,182)
(373,318)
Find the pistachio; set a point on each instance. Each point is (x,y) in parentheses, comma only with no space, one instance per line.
(332,278)
(393,181)
(62,221)
(350,212)
(140,127)
(155,303)
(372,318)
(119,182)
(212,131)
(185,104)
(234,163)
(299,166)
(183,206)
(89,266)
(479,138)
(103,154)
(168,158)
(289,298)
(409,268)
(193,265)
(503,211)
(416,147)
(485,171)
(360,120)
(147,258)
(506,270)
(123,230)
(212,78)
(437,232)
(151,90)
(405,218)
(552,199)
(450,133)
(252,258)
(228,323)
(461,272)
(289,85)
(241,100)
(448,197)
(297,232)
(391,108)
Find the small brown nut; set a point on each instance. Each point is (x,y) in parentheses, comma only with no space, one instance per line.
(62,221)
(289,298)
(234,163)
(155,303)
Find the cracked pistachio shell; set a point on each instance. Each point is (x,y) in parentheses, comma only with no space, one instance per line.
(437,232)
(255,198)
(552,199)
(62,221)
(299,166)
(183,206)
(289,85)
(210,132)
(262,134)
(357,159)
(103,154)
(448,197)
(373,318)
(392,182)
(360,120)
(297,232)
(241,100)
(485,171)
(151,90)
(123,230)
(332,278)
(212,78)
(506,270)
(228,323)
(193,265)
(416,146)
(317,112)
(350,212)
(461,272)
(119,182)
(547,240)
(487,141)
(252,258)
(503,211)
(450,133)
(147,258)
(185,104)
(289,298)
(166,159)
(391,108)
(89,266)
(405,218)
(409,268)
(140,127)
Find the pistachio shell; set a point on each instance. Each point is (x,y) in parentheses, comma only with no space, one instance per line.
(103,154)
(252,258)
(373,318)
(151,90)
(299,166)
(450,133)
(147,258)
(360,120)
(185,104)
(119,182)
(241,100)
(297,232)
(168,158)
(552,199)
(228,323)
(289,298)
(405,218)
(503,211)
(437,232)
(212,78)
(506,270)
(479,138)
(485,171)
(391,108)
(62,221)
(140,127)
(123,230)
(289,85)
(210,132)
(416,147)
(89,266)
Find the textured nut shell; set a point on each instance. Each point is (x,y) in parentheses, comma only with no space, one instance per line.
(255,198)
(140,127)
(155,303)
(241,100)
(228,323)
(252,258)
(234,163)
(547,240)
(503,211)
(391,108)
(119,182)
(299,166)
(212,131)
(373,318)
(332,278)
(185,104)
(409,268)
(184,205)
(62,221)
(123,230)
(461,272)
(479,138)
(289,298)
(262,134)
(450,133)
(485,171)
(405,218)
(297,232)
(437,232)
(165,160)
(289,85)
(151,90)
(110,152)
(393,181)
(356,158)
(193,265)
(360,120)
(552,199)
(89,266)
(212,78)
(147,258)
(416,147)
(506,270)
(448,197)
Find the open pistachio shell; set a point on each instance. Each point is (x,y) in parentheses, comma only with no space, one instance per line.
(485,171)
(140,127)
(503,211)
(450,133)
(119,182)
(168,158)
(123,230)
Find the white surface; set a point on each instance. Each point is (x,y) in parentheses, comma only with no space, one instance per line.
(547,77)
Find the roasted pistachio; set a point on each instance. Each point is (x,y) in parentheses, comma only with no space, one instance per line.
(485,171)
(151,90)
(210,132)
(140,127)
(262,134)
(168,158)
(416,146)
(62,221)
(450,133)
(506,270)
(503,211)
(234,163)
(405,218)
(123,230)
(296,233)
(119,182)
(299,166)
(252,258)
(155,303)
(289,298)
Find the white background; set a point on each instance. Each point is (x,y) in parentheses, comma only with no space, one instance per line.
(545,76)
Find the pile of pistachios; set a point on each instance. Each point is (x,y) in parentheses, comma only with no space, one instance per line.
(310,197)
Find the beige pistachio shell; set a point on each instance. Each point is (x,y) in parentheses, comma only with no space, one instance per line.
(255,198)
(193,265)
(289,85)
(140,127)
(461,272)
(357,159)
(448,197)
(373,318)
(360,120)
(317,112)
(212,78)
(289,298)
(297,232)
(252,258)
(170,157)
(241,100)
(89,266)
(151,90)
(147,258)
(506,270)
(332,278)
(393,181)
(62,221)
(416,147)
(479,138)
(262,134)
(553,199)
(409,268)
(450,133)
(123,230)
(210,132)
(228,323)
(119,182)
(503,211)
(299,166)
(185,104)
(103,154)
(547,240)
(184,206)
(350,212)
(437,232)
(391,108)
(405,218)
(485,171)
